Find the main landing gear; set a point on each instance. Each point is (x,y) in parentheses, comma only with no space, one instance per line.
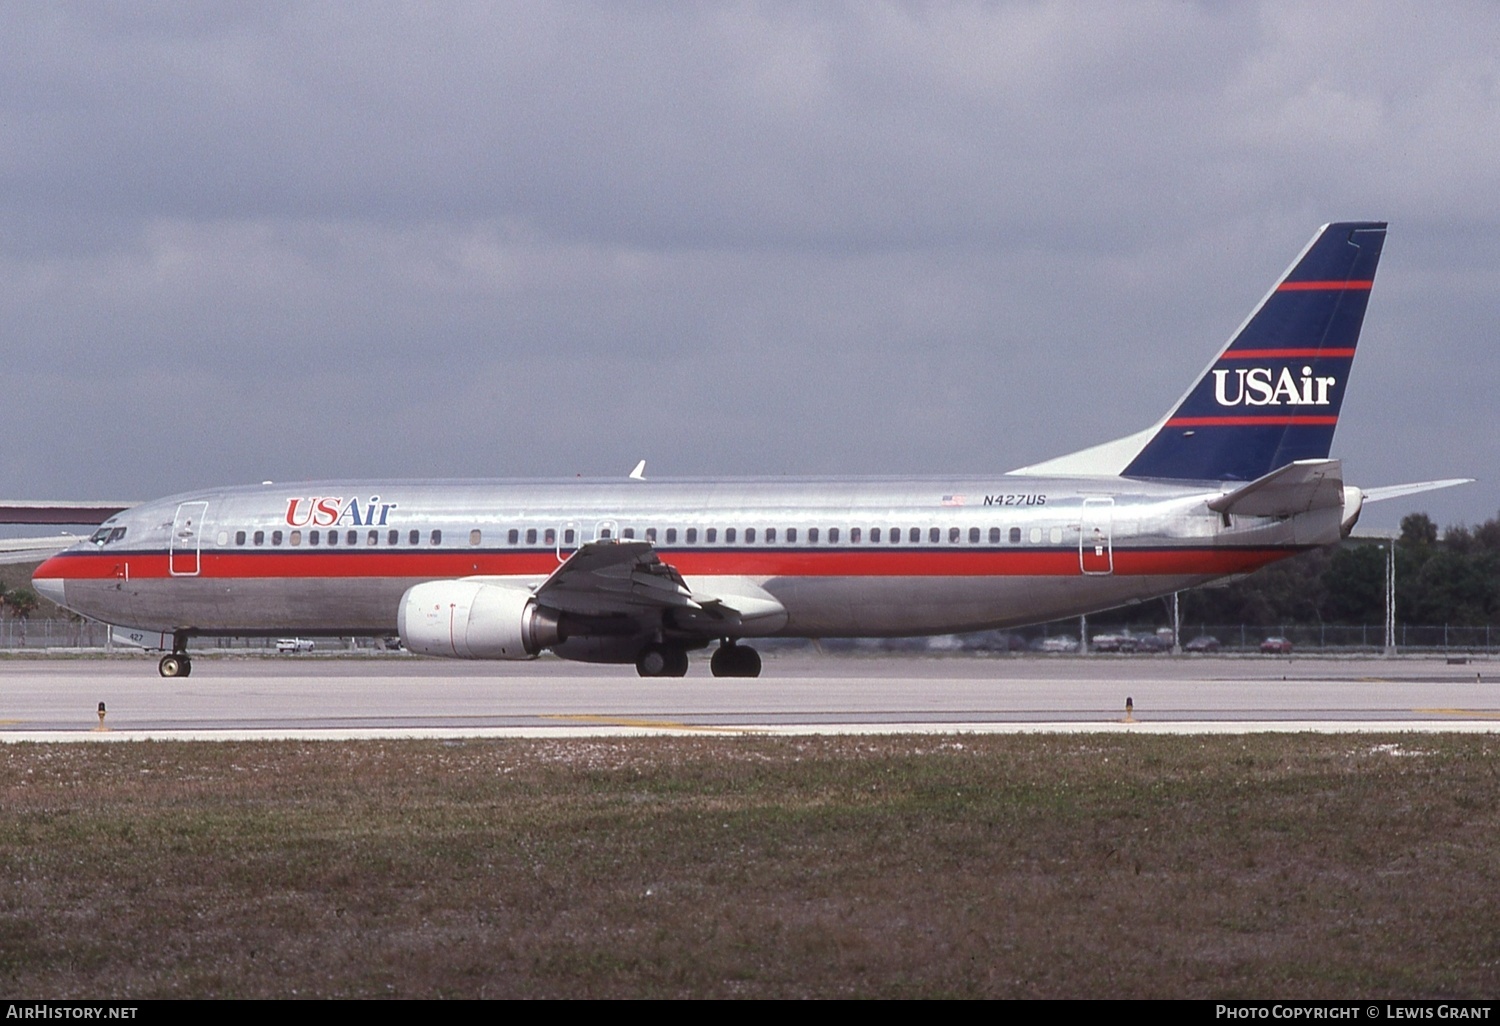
(732,660)
(660,660)
(177,663)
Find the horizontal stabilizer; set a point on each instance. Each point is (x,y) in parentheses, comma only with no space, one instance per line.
(1397,491)
(1295,488)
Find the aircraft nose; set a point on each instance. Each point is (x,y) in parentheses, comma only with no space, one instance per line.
(50,588)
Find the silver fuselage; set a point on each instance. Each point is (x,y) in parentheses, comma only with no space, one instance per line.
(844,557)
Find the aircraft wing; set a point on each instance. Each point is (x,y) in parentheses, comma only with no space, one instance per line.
(605,578)
(39,511)
(1295,488)
(33,550)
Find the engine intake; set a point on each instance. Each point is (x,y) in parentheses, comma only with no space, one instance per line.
(474,620)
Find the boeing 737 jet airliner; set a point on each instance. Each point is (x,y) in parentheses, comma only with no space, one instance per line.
(1236,475)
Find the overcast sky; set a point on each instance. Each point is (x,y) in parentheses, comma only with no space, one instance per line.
(247,241)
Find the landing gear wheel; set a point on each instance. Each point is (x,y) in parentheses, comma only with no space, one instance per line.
(662,661)
(175,666)
(731,660)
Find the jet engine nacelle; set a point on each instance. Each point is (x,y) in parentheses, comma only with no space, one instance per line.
(474,620)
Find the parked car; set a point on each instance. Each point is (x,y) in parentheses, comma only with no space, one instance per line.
(1059,643)
(1153,642)
(1202,643)
(293,645)
(1112,643)
(1276,646)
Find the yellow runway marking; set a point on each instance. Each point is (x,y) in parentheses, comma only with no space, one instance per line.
(1473,714)
(627,721)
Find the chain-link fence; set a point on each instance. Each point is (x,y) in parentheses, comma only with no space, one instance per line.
(37,635)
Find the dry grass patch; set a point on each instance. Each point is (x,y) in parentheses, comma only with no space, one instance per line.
(1099,866)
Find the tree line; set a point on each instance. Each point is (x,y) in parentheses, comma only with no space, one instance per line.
(1452,578)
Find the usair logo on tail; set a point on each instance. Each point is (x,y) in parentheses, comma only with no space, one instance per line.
(1259,386)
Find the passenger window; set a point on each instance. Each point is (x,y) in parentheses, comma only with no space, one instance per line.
(512,536)
(874,535)
(275,537)
(312,537)
(729,536)
(414,538)
(568,536)
(1015,536)
(854,535)
(260,537)
(973,536)
(239,537)
(935,535)
(393,538)
(994,536)
(373,538)
(833,536)
(791,535)
(915,535)
(530,536)
(1036,536)
(651,534)
(692,535)
(671,536)
(437,537)
(770,536)
(1055,535)
(352,538)
(711,535)
(749,535)
(952,536)
(812,536)
(549,537)
(475,536)
(295,538)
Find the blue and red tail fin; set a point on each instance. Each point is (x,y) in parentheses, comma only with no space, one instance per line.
(1272,395)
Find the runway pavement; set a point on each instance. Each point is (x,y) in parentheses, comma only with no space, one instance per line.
(237,697)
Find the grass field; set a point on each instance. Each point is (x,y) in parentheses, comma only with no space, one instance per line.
(1080,866)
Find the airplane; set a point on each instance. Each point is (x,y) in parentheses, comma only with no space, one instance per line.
(1234,476)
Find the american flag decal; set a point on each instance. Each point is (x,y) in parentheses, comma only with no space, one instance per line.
(953,500)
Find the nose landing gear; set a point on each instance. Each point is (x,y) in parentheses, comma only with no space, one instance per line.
(177,663)
(174,665)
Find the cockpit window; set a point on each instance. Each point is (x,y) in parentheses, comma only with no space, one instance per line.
(107,534)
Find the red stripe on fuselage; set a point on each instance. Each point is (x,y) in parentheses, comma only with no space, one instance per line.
(1323,286)
(865,562)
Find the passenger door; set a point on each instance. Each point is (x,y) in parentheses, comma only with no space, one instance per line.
(187,537)
(1095,539)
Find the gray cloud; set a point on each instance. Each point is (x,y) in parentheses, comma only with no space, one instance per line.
(249,241)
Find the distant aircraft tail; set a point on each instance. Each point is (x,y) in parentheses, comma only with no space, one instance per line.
(1272,395)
